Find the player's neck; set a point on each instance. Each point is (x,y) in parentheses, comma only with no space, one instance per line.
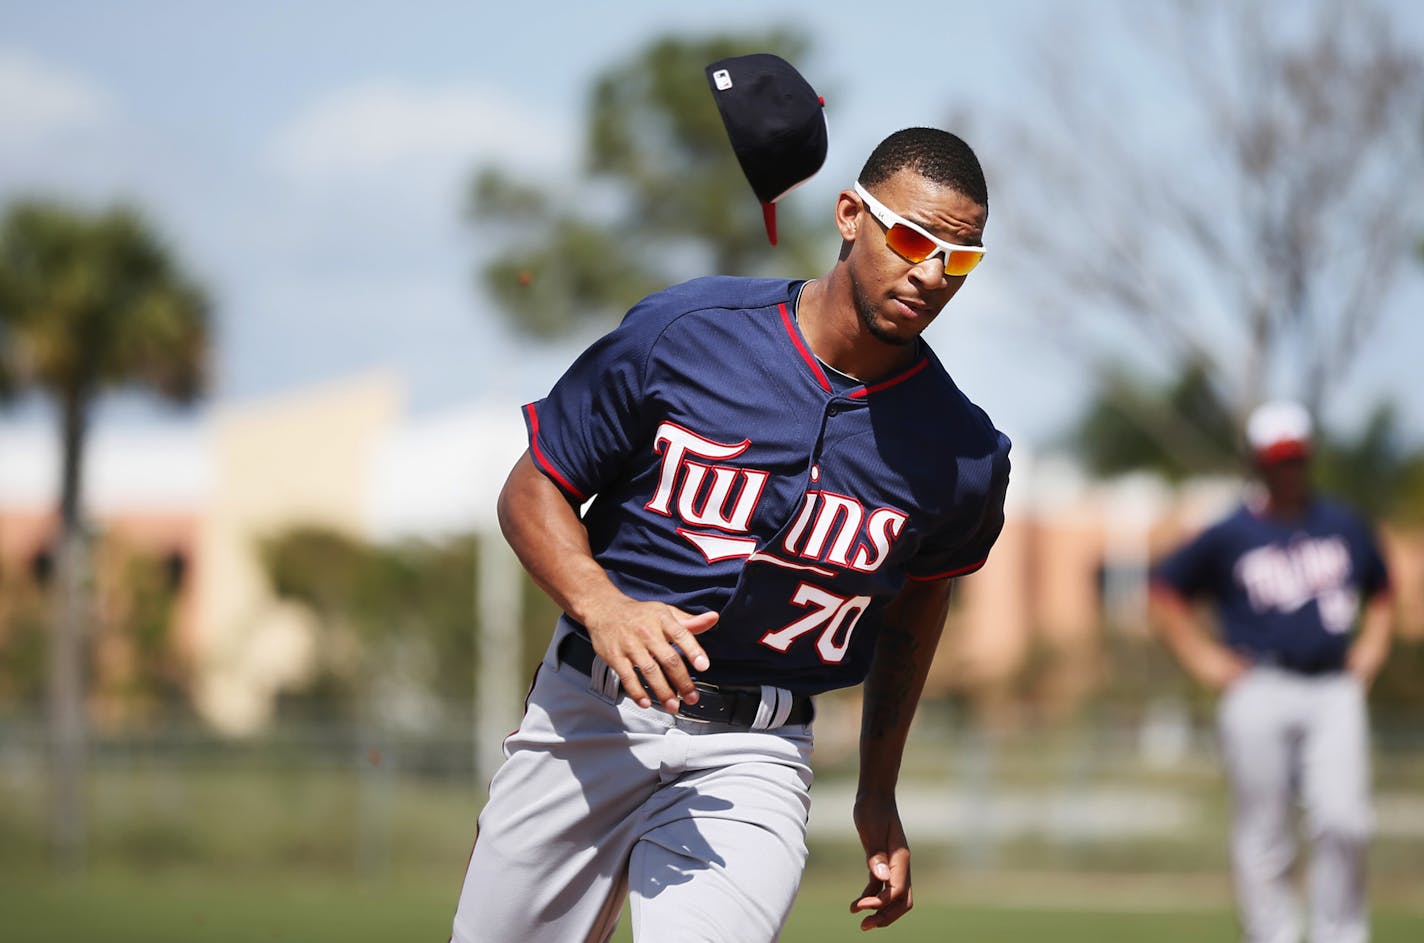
(839,339)
(1285,507)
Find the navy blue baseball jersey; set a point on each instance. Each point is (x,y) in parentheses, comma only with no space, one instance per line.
(730,471)
(1285,593)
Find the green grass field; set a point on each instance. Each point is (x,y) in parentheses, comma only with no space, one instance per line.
(293,845)
(128,908)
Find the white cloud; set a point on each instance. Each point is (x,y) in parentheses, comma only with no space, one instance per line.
(379,130)
(39,100)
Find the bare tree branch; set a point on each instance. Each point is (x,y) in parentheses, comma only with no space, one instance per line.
(1239,194)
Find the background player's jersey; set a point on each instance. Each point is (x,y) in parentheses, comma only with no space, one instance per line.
(1287,593)
(732,474)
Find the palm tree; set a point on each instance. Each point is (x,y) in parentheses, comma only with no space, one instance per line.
(88,303)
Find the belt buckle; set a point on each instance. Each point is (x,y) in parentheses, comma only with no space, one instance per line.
(708,688)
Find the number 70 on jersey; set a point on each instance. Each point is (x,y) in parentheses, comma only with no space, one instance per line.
(834,616)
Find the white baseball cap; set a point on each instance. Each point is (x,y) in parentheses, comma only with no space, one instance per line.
(1278,431)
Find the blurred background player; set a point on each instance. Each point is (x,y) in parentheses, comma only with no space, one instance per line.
(1299,589)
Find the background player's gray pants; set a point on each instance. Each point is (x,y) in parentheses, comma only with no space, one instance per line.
(702,825)
(1287,737)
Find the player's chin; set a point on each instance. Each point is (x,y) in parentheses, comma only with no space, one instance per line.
(899,328)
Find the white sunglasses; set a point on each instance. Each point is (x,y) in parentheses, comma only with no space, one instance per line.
(913,244)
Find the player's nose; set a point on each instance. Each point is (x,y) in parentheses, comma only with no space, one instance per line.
(930,273)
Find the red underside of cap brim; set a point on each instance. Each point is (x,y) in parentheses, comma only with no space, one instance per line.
(1283,451)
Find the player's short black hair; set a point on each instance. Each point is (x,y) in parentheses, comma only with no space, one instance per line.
(936,155)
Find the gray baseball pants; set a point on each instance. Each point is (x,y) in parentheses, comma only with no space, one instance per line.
(701,825)
(1288,739)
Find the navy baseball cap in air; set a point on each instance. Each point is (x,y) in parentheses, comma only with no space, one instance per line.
(775,121)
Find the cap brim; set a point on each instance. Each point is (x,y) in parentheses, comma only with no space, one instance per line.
(1284,451)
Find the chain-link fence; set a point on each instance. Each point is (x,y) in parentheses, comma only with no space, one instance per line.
(1095,795)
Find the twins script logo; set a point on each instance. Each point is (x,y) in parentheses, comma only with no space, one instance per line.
(1286,578)
(829,529)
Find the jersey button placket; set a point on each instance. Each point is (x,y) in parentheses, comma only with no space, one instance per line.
(833,409)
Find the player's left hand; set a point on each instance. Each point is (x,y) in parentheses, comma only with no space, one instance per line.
(1364,665)
(887,857)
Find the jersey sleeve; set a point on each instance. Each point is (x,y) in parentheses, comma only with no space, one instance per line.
(1189,571)
(582,432)
(950,553)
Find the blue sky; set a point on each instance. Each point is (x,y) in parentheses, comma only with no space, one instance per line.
(307,160)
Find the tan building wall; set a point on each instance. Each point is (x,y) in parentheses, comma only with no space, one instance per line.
(990,623)
(1404,549)
(305,459)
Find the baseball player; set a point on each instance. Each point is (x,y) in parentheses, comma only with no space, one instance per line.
(1300,592)
(781,481)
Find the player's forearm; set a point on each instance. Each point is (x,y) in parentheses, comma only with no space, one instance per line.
(1371,645)
(903,653)
(1199,654)
(549,539)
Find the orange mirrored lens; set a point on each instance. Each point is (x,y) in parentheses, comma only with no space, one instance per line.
(961,263)
(914,247)
(908,243)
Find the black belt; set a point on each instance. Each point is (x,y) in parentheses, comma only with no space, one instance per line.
(1315,670)
(723,704)
(1309,669)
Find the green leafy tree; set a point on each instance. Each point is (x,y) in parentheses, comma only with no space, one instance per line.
(335,577)
(1178,430)
(88,303)
(1182,429)
(24,624)
(661,198)
(151,685)
(391,615)
(1375,470)
(388,616)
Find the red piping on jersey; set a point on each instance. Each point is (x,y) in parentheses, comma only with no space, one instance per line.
(947,574)
(801,346)
(546,466)
(886,384)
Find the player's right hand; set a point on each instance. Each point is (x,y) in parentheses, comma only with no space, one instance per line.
(655,640)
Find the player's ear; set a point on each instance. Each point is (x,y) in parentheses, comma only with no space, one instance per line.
(848,212)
